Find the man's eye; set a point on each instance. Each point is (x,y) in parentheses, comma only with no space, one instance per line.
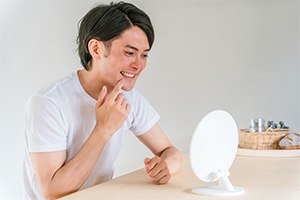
(129,53)
(145,55)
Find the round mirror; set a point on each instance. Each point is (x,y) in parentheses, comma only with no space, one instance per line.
(212,151)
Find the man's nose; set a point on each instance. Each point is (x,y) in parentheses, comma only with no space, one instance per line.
(137,64)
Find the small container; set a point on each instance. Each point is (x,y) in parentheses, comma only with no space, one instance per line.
(261,125)
(253,125)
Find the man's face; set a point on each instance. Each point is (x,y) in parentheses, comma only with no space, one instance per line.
(125,59)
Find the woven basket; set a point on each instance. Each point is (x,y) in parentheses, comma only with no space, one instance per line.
(261,140)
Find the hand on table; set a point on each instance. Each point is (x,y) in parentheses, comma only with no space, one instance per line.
(157,169)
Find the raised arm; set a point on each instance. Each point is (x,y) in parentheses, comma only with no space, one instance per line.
(57,177)
(167,160)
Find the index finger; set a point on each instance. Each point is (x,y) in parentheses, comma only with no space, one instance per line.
(116,91)
(147,160)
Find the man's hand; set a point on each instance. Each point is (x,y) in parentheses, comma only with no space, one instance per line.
(111,110)
(157,169)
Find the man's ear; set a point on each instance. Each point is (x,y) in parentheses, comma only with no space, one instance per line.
(95,48)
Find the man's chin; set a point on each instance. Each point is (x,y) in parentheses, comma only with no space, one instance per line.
(127,89)
(128,85)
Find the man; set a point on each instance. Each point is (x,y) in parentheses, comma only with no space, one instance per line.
(74,127)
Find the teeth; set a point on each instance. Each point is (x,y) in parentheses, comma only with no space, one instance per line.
(126,74)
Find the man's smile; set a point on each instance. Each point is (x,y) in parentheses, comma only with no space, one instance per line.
(127,74)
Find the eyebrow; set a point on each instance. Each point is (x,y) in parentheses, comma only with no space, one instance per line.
(134,48)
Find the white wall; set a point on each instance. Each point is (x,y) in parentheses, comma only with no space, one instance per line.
(241,56)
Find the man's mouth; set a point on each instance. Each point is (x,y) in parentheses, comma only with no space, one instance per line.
(127,74)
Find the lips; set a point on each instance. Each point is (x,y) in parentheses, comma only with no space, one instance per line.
(127,74)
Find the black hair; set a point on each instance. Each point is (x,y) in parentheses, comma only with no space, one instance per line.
(108,22)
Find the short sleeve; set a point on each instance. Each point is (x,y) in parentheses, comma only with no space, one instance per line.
(44,126)
(144,115)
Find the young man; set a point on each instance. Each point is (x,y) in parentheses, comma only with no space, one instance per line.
(74,127)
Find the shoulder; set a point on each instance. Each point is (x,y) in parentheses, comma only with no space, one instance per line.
(143,114)
(39,104)
(55,88)
(49,96)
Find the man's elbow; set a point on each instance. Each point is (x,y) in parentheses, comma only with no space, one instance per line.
(51,194)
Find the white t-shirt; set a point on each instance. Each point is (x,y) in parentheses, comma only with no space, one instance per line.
(61,117)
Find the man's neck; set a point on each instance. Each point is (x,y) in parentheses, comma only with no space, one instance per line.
(90,84)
